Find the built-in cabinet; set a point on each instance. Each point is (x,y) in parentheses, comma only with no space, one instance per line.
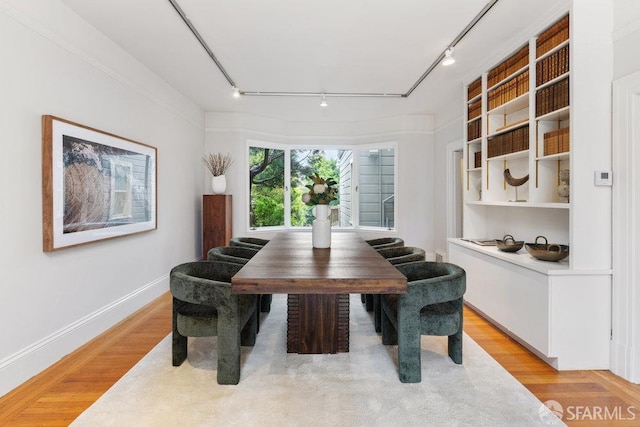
(519,122)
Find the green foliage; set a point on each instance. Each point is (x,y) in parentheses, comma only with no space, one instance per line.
(267,184)
(267,207)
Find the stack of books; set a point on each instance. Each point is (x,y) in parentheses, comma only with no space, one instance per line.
(474,88)
(552,66)
(556,141)
(474,110)
(474,130)
(509,66)
(552,37)
(477,159)
(509,142)
(552,97)
(519,85)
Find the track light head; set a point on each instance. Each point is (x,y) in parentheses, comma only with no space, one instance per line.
(448,57)
(323,102)
(236,92)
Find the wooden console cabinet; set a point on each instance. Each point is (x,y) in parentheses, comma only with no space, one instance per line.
(216,221)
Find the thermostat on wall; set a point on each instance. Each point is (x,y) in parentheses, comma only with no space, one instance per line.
(603,178)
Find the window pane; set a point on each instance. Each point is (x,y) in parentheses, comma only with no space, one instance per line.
(376,187)
(307,162)
(266,187)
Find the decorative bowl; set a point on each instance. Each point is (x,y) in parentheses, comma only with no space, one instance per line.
(547,252)
(509,244)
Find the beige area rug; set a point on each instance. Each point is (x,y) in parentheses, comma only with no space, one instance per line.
(359,388)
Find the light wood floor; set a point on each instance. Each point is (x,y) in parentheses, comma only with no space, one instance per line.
(61,393)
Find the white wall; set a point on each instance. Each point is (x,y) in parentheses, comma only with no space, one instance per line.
(626,37)
(227,132)
(54,63)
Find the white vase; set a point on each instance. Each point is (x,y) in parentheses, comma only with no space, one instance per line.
(219,184)
(321,227)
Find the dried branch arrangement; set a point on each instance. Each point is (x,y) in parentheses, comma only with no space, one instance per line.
(217,163)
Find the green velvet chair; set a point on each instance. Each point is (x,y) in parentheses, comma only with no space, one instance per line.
(203,305)
(386,242)
(377,244)
(397,255)
(239,255)
(248,242)
(235,254)
(432,305)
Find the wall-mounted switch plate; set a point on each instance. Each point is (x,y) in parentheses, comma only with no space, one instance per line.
(603,178)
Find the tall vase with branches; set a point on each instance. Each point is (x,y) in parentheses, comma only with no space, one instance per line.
(218,164)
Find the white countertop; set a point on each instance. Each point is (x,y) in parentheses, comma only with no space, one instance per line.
(523,259)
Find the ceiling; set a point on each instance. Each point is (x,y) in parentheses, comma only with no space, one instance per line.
(331,46)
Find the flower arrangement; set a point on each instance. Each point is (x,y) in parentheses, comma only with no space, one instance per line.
(321,192)
(217,163)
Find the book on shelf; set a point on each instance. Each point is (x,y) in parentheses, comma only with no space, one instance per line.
(509,142)
(552,97)
(552,66)
(474,130)
(509,66)
(552,36)
(474,110)
(556,141)
(475,88)
(515,87)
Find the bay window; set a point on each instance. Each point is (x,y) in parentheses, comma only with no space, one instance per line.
(278,175)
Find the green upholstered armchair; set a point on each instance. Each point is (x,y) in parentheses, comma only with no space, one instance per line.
(203,305)
(432,306)
(397,255)
(386,242)
(377,244)
(248,242)
(234,254)
(239,255)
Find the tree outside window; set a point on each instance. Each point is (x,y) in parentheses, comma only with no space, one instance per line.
(266,187)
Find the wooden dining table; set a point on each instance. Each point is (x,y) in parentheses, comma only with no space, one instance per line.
(318,283)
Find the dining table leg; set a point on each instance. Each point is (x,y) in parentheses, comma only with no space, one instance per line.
(317,323)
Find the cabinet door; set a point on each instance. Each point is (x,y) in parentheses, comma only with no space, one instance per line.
(216,221)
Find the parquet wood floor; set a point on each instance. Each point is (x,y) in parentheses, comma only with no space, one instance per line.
(58,395)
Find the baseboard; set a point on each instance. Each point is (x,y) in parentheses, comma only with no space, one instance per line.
(30,361)
(622,362)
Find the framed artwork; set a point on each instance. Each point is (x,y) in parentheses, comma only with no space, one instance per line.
(95,185)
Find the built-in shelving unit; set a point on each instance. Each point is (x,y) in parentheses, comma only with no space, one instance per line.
(519,117)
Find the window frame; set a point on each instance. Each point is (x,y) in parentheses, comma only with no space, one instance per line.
(355,178)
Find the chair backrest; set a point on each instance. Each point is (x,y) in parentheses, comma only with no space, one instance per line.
(235,254)
(403,254)
(248,242)
(386,242)
(203,282)
(432,282)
